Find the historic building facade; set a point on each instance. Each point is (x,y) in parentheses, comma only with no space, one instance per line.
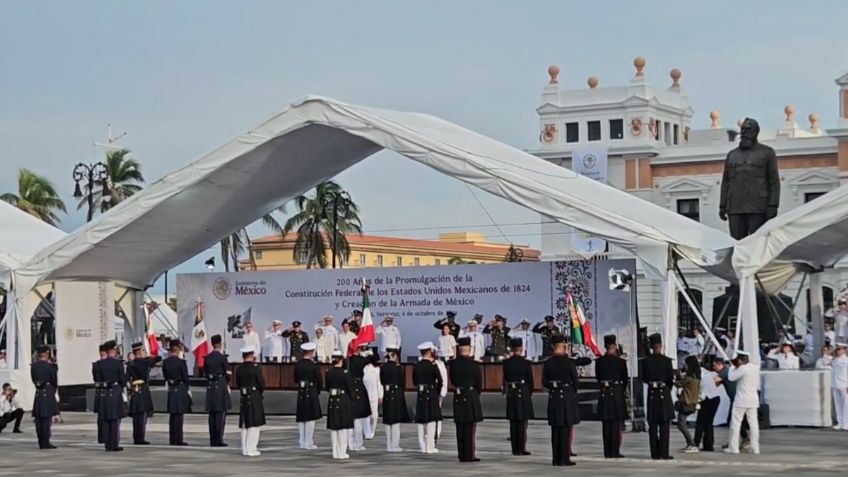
(655,154)
(275,252)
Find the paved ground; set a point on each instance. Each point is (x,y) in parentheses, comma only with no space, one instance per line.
(786,451)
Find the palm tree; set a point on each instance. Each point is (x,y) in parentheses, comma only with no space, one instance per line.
(123,180)
(37,197)
(235,244)
(323,221)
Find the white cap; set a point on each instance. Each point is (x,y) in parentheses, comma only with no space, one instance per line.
(247,349)
(337,354)
(277,322)
(308,346)
(841,345)
(426,345)
(742,353)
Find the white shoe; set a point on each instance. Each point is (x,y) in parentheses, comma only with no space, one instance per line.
(837,427)
(434,451)
(397,449)
(691,450)
(254,454)
(345,457)
(730,451)
(312,447)
(757,452)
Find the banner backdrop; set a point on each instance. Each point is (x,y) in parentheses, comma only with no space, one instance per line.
(416,296)
(77,335)
(591,163)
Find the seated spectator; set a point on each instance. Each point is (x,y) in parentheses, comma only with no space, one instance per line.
(10,409)
(785,357)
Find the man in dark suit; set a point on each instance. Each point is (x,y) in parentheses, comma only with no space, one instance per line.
(217,392)
(518,387)
(112,406)
(141,402)
(467,381)
(44,406)
(611,373)
(657,372)
(175,371)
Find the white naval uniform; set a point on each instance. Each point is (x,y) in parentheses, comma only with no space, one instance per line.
(371,380)
(390,338)
(839,387)
(528,340)
(824,362)
(252,340)
(784,361)
(745,404)
(324,349)
(478,343)
(275,345)
(332,335)
(443,371)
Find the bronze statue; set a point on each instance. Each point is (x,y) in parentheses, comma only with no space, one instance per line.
(750,186)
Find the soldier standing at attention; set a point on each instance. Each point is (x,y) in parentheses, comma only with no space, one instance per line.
(559,377)
(307,377)
(467,380)
(175,371)
(141,402)
(217,392)
(98,391)
(428,383)
(112,408)
(547,330)
(339,409)
(657,373)
(500,338)
(251,409)
(44,406)
(296,338)
(611,372)
(394,402)
(518,387)
(359,396)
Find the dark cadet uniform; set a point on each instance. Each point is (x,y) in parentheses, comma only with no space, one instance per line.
(657,372)
(175,371)
(500,341)
(339,408)
(141,402)
(547,334)
(611,373)
(467,381)
(454,328)
(307,378)
(112,406)
(559,377)
(296,338)
(218,400)
(394,401)
(428,384)
(44,406)
(518,388)
(359,394)
(98,391)
(251,386)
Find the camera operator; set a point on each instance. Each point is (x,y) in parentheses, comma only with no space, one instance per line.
(10,409)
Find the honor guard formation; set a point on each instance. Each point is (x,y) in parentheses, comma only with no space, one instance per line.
(361,388)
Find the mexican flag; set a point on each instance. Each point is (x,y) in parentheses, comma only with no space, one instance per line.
(150,337)
(366,328)
(199,343)
(581,330)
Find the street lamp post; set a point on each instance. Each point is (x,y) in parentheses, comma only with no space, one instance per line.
(93,174)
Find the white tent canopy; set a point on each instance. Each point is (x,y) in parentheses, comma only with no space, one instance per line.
(21,237)
(315,139)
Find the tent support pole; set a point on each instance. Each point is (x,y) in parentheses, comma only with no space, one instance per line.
(775,317)
(817,313)
(707,329)
(723,313)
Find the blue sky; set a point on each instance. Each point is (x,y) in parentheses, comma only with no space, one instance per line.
(184,77)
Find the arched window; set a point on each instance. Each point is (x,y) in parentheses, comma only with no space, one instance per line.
(686,316)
